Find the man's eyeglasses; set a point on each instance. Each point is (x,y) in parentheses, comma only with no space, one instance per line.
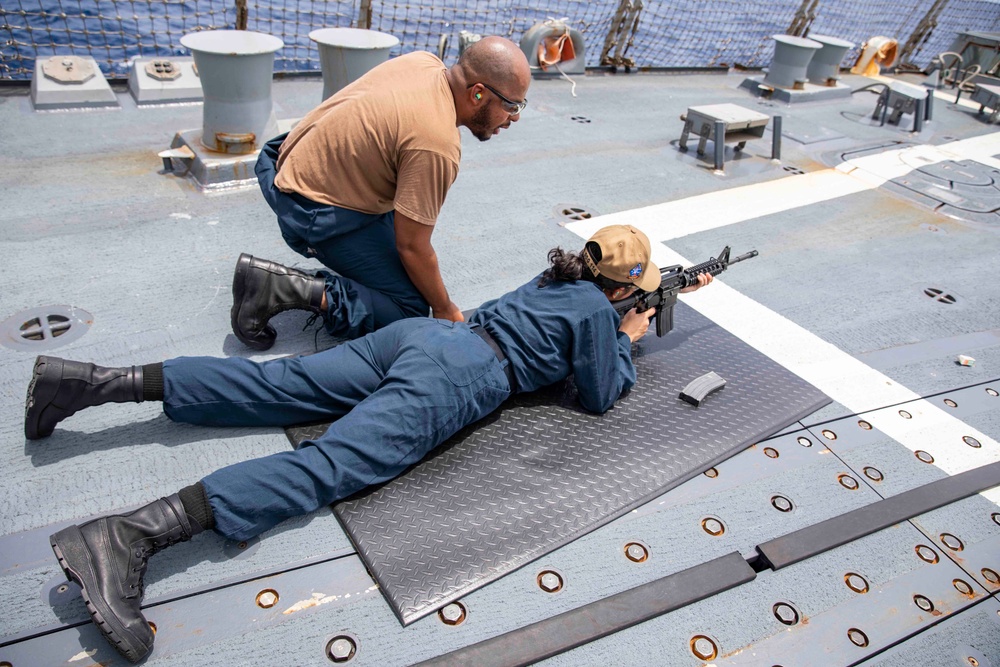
(509,105)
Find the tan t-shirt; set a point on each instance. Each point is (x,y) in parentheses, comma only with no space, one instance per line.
(387,141)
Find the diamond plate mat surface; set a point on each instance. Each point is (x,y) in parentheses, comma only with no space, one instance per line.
(541,471)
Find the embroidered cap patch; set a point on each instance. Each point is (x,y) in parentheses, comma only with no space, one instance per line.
(636,271)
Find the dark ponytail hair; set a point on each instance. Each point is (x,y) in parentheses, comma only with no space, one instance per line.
(563,267)
(568,266)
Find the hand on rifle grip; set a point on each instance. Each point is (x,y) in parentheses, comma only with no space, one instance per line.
(635,324)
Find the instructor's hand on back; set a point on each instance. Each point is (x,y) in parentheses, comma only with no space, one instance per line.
(449,312)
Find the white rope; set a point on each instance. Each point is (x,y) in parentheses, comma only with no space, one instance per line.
(564,75)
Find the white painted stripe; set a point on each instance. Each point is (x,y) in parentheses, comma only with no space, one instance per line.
(882,167)
(858,387)
(674,219)
(725,207)
(840,376)
(845,379)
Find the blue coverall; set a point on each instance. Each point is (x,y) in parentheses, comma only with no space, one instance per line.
(394,394)
(372,288)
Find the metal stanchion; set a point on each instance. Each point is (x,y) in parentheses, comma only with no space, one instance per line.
(720,144)
(776,138)
(918,116)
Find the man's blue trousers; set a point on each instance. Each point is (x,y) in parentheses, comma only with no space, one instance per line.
(372,288)
(395,395)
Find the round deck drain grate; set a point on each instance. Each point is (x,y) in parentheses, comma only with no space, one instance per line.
(940,295)
(44,328)
(573,213)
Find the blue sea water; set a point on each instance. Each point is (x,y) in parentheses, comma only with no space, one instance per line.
(675,33)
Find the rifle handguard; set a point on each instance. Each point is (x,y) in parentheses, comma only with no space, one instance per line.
(673,279)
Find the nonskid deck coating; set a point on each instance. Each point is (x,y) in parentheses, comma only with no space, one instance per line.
(89,221)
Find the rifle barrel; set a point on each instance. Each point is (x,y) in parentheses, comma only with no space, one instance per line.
(752,253)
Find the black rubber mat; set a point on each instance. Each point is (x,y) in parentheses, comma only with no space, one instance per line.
(541,471)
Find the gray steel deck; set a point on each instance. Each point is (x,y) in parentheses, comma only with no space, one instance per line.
(837,296)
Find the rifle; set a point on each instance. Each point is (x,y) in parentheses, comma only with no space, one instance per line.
(672,280)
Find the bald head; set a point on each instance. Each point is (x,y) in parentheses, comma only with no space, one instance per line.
(496,61)
(490,86)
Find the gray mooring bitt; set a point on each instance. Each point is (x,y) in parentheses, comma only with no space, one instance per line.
(235,67)
(824,68)
(792,56)
(345,54)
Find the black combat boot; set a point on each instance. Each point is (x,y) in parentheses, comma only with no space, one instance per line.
(60,387)
(261,290)
(107,557)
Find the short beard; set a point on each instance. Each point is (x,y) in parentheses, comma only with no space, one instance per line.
(479,126)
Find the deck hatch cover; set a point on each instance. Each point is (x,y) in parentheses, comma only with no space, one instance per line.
(44,328)
(967,190)
(541,472)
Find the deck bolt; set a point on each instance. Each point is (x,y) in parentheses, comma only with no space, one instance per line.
(996,518)
(785,613)
(550,581)
(771,452)
(991,576)
(926,554)
(241,545)
(905,415)
(857,637)
(829,435)
(152,626)
(952,542)
(805,442)
(711,472)
(973,661)
(703,647)
(865,425)
(713,526)
(971,442)
(856,582)
(924,603)
(341,648)
(636,552)
(923,456)
(781,503)
(962,587)
(453,614)
(992,392)
(267,598)
(950,403)
(874,474)
(847,482)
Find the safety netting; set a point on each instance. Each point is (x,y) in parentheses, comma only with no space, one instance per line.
(650,34)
